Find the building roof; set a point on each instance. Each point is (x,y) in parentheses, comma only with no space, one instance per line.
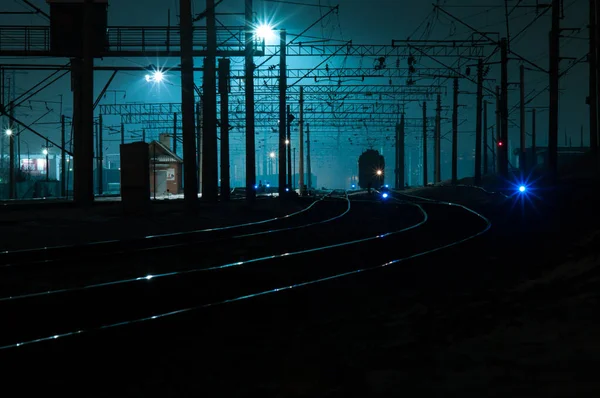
(162,153)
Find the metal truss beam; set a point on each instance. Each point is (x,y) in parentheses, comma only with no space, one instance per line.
(343,73)
(127,41)
(433,49)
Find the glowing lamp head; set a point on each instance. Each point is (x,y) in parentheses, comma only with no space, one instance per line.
(9,132)
(158,76)
(379,172)
(287,142)
(45,151)
(522,188)
(272,155)
(265,32)
(500,143)
(385,195)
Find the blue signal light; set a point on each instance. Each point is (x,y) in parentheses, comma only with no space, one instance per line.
(353,186)
(287,190)
(385,195)
(268,185)
(256,187)
(387,186)
(522,188)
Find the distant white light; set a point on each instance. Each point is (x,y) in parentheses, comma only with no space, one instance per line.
(148,277)
(379,172)
(287,142)
(9,132)
(385,195)
(265,32)
(148,78)
(45,151)
(272,155)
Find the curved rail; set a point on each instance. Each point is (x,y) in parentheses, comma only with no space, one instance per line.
(42,251)
(289,287)
(174,273)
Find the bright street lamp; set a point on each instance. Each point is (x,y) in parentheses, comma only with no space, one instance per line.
(272,155)
(265,32)
(9,132)
(156,77)
(287,142)
(379,172)
(45,151)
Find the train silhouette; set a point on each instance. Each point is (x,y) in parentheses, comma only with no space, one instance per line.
(371,169)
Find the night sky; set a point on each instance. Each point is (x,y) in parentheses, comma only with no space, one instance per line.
(373,22)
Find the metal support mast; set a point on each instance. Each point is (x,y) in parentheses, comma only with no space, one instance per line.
(63,155)
(533,150)
(83,103)
(282,112)
(288,141)
(249,100)
(224,68)
(485,138)
(99,167)
(455,132)
(593,89)
(554,75)
(425,144)
(522,136)
(478,123)
(190,187)
(301,142)
(400,154)
(503,142)
(308,169)
(437,172)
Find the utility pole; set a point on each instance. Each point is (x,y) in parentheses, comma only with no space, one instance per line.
(485,138)
(533,150)
(437,173)
(174,133)
(224,67)
(99,170)
(122,133)
(503,142)
(301,143)
(210,181)
(308,169)
(143,135)
(554,75)
(63,155)
(249,99)
(455,132)
(478,122)
(593,89)
(282,111)
(424,143)
(523,143)
(288,145)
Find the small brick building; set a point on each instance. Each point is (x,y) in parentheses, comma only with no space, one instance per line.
(165,168)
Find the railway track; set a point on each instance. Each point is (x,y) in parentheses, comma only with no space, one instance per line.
(383,242)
